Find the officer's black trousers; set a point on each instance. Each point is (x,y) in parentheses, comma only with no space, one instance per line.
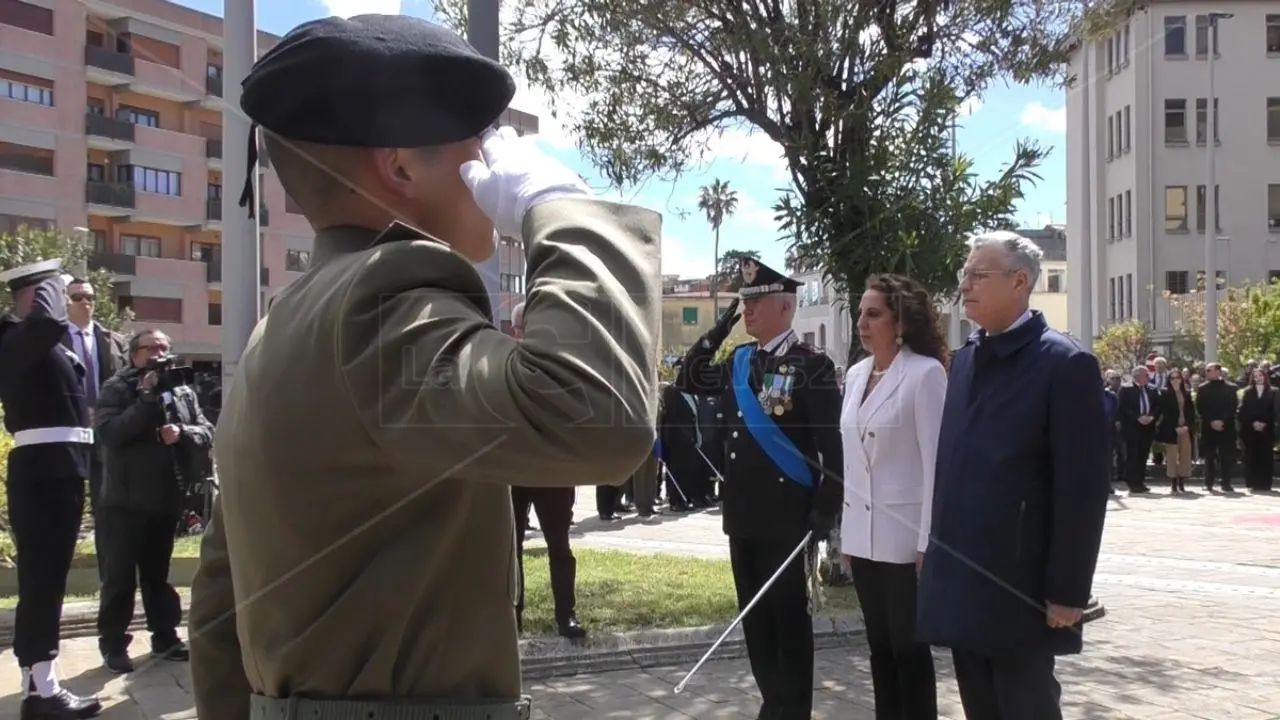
(45,515)
(137,548)
(778,630)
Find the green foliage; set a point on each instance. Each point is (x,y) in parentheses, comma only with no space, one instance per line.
(1123,346)
(29,245)
(1248,322)
(859,95)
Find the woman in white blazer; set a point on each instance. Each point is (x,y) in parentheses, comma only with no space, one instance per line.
(890,421)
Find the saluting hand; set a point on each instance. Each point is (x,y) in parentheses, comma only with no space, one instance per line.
(716,336)
(514,177)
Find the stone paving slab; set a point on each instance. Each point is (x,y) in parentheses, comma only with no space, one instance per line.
(1193,633)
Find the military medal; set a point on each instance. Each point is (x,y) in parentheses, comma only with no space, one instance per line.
(778,409)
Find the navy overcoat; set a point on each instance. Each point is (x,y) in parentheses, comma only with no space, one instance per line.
(1020,496)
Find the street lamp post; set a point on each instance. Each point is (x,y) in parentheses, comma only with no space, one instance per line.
(1211,198)
(240,257)
(483,33)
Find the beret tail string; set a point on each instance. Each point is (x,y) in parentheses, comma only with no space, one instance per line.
(247,199)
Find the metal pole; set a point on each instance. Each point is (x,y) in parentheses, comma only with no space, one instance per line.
(483,34)
(1210,213)
(241,253)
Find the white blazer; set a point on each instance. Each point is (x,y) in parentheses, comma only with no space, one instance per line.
(890,447)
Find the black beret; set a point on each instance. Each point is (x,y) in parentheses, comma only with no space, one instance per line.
(375,81)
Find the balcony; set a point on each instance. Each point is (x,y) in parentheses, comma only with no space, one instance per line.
(213,209)
(264,277)
(213,271)
(213,85)
(115,65)
(212,148)
(107,194)
(115,262)
(103,126)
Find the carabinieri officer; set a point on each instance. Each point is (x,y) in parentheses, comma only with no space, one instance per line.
(42,389)
(780,414)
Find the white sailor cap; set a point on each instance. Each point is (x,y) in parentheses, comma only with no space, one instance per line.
(27,275)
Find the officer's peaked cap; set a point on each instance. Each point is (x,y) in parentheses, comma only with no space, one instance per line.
(375,81)
(28,275)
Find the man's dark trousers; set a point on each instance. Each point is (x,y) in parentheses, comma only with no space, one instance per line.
(554,507)
(779,629)
(45,513)
(1012,687)
(138,548)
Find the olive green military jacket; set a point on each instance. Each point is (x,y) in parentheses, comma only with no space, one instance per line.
(364,545)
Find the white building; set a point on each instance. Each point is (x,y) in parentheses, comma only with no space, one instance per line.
(1137,160)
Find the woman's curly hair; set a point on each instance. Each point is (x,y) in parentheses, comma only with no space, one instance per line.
(914,311)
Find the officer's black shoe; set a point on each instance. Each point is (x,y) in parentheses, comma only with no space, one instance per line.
(117,662)
(176,651)
(63,706)
(573,629)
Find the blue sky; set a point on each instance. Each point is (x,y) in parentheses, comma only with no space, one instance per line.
(749,162)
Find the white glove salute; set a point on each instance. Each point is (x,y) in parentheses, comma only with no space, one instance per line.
(515,176)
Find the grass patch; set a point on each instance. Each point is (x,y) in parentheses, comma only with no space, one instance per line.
(620,591)
(183,547)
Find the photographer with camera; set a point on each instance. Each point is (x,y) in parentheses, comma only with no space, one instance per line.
(155,439)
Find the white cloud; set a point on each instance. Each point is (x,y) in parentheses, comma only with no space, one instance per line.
(1050,120)
(678,259)
(349,8)
(749,147)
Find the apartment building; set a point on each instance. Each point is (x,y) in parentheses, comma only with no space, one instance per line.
(111,123)
(1137,157)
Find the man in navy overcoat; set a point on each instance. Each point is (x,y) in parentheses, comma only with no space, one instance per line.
(1020,496)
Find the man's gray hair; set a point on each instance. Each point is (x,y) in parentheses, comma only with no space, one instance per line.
(517,315)
(1023,254)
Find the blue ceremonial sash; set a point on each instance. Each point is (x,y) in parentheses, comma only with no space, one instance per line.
(775,444)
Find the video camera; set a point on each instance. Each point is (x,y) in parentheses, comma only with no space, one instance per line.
(169,373)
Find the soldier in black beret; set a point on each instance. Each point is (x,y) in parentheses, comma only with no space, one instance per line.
(42,390)
(780,413)
(379,386)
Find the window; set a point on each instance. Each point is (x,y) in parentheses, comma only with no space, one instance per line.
(1111,137)
(1202,36)
(1112,283)
(214,192)
(204,252)
(1273,119)
(297,260)
(1175,36)
(1054,284)
(1220,274)
(96,173)
(9,224)
(1273,276)
(1111,218)
(141,246)
(99,238)
(510,282)
(138,116)
(96,106)
(1127,126)
(150,180)
(215,313)
(689,315)
(1202,121)
(1128,291)
(1124,46)
(1273,207)
(1128,213)
(808,339)
(1273,34)
(1111,56)
(24,159)
(152,309)
(1202,207)
(27,89)
(1175,120)
(1175,208)
(27,16)
(1177,282)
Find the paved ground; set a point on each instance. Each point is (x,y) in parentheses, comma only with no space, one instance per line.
(1192,585)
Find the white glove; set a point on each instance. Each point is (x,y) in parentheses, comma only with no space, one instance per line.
(67,279)
(514,177)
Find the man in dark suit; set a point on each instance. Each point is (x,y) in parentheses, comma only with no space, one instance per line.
(780,407)
(1217,402)
(1139,406)
(41,387)
(1020,495)
(103,353)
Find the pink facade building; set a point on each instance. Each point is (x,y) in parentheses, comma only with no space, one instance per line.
(111,121)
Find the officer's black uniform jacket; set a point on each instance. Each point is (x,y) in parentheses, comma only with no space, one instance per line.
(42,386)
(140,468)
(759,502)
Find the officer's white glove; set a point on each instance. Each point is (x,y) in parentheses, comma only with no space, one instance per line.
(514,177)
(67,279)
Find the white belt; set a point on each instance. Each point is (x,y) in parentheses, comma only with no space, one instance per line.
(44,436)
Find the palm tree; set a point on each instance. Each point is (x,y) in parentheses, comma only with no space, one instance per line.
(718,202)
